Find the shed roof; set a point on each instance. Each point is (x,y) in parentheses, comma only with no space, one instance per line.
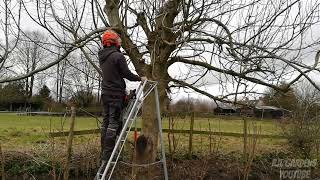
(268,107)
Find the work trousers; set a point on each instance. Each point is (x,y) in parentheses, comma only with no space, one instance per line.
(112,124)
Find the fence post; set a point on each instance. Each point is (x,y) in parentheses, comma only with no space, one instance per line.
(210,137)
(170,136)
(3,174)
(191,134)
(245,137)
(69,144)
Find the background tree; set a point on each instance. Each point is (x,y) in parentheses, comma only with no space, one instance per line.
(308,99)
(192,105)
(10,18)
(287,100)
(83,98)
(28,55)
(303,130)
(12,96)
(42,100)
(60,79)
(45,92)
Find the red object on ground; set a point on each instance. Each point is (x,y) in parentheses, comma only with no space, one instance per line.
(135,135)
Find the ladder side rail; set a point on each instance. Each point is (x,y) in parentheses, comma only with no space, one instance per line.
(125,115)
(127,110)
(141,85)
(160,134)
(97,177)
(125,138)
(123,132)
(163,159)
(122,140)
(124,129)
(131,103)
(132,120)
(149,91)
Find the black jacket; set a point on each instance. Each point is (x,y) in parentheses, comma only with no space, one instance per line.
(114,68)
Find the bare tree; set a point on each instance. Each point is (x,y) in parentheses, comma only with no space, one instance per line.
(239,43)
(308,99)
(29,54)
(237,46)
(10,30)
(87,80)
(61,73)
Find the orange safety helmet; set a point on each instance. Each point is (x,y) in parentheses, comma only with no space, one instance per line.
(110,38)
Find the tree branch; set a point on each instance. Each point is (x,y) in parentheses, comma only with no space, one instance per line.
(112,11)
(184,84)
(78,44)
(229,72)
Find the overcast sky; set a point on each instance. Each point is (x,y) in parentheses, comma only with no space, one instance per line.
(212,84)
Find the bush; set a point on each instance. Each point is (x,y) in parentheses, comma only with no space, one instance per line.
(303,135)
(83,99)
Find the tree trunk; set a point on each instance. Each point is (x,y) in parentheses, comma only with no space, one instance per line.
(33,67)
(60,91)
(26,94)
(150,129)
(150,132)
(147,152)
(57,83)
(99,90)
(31,87)
(61,80)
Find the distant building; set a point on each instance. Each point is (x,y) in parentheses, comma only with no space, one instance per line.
(227,109)
(270,112)
(247,111)
(252,108)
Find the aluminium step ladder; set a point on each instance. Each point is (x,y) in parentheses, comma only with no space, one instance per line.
(129,117)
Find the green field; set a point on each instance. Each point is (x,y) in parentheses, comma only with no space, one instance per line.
(18,132)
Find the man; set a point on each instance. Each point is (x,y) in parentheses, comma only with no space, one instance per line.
(114,68)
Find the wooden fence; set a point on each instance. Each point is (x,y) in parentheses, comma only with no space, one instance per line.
(175,131)
(190,132)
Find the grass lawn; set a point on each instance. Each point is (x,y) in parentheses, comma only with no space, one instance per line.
(24,131)
(226,124)
(21,131)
